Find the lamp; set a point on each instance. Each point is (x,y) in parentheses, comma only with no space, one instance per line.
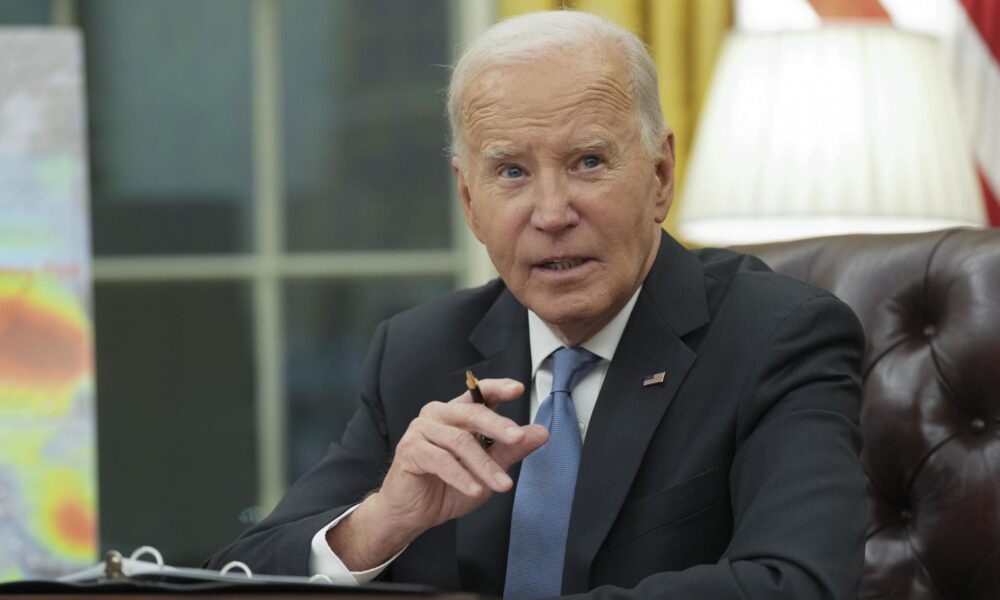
(845,128)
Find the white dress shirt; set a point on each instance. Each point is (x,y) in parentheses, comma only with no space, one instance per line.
(543,343)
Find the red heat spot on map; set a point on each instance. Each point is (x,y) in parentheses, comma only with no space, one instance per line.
(38,347)
(75,524)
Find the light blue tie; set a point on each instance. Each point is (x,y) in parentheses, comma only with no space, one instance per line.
(544,496)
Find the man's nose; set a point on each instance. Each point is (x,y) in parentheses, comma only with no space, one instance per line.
(553,207)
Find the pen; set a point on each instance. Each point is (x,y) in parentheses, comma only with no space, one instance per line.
(477,396)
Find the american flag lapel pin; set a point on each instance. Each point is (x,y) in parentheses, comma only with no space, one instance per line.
(654,379)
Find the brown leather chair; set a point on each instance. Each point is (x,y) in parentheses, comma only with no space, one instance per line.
(930,306)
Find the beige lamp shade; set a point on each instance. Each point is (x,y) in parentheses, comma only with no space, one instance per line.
(845,128)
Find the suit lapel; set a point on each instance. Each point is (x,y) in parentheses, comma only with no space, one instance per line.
(671,304)
(482,536)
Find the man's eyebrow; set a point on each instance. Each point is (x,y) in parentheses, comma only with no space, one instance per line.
(497,153)
(590,146)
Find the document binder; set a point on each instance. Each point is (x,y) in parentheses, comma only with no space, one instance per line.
(119,575)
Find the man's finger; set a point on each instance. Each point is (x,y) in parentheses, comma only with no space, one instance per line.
(474,418)
(496,391)
(507,454)
(464,447)
(433,460)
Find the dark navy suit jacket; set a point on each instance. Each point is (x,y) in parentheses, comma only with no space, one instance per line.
(737,477)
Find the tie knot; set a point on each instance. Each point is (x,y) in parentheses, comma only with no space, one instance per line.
(569,366)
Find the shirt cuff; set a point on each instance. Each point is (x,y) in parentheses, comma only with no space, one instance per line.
(323,560)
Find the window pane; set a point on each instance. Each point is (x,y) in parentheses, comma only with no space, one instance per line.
(364,126)
(25,12)
(175,416)
(329,327)
(170,123)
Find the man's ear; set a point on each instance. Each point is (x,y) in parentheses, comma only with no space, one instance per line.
(464,197)
(665,177)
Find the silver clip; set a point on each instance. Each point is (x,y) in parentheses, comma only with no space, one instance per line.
(144,550)
(113,565)
(235,564)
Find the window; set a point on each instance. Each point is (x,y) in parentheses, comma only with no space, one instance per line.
(269,181)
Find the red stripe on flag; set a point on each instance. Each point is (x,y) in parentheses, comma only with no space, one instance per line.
(992,205)
(829,10)
(985,15)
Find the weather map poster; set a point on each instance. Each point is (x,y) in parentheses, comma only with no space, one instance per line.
(48,482)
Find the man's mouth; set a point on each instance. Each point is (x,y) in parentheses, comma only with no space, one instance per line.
(562,264)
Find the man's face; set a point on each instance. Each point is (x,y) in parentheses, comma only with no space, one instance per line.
(559,189)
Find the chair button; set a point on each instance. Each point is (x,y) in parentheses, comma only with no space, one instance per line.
(978,425)
(929,331)
(905,516)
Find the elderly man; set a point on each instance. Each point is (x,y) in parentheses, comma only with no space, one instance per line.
(663,422)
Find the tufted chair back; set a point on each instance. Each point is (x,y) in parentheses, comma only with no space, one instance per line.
(930,306)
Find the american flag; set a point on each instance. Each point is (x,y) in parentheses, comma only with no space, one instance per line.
(977,63)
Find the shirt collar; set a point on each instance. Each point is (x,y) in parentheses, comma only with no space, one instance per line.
(604,343)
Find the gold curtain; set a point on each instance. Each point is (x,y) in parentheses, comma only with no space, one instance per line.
(684,38)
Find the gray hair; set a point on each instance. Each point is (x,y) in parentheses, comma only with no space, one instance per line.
(527,37)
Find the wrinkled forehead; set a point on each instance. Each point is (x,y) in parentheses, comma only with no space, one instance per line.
(577,84)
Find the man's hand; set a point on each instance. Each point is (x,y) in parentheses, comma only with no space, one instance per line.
(439,472)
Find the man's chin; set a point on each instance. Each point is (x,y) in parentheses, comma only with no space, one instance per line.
(564,309)
(572,324)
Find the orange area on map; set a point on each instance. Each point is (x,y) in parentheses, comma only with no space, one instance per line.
(40,347)
(75,524)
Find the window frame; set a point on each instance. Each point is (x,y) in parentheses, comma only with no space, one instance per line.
(269,266)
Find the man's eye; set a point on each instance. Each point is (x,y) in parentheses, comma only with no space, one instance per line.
(511,171)
(591,162)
